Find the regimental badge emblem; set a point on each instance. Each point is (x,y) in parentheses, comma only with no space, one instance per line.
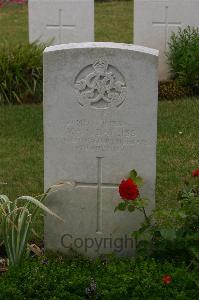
(100,86)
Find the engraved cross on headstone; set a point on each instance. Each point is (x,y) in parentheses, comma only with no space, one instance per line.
(60,27)
(166,24)
(100,185)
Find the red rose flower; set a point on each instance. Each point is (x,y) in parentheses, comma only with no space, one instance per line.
(195,173)
(166,279)
(128,190)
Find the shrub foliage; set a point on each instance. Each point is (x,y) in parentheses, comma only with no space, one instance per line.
(21,73)
(183,57)
(107,278)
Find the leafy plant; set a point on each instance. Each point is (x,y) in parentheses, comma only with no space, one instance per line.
(167,232)
(73,278)
(173,232)
(194,264)
(183,57)
(16,221)
(21,73)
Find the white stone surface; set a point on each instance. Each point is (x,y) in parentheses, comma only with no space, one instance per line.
(100,119)
(61,21)
(154,20)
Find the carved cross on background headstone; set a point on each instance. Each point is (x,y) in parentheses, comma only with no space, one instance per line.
(100,185)
(60,27)
(166,24)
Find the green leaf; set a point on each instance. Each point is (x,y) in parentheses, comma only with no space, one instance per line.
(131,208)
(133,174)
(168,233)
(121,206)
(4,199)
(144,236)
(142,202)
(40,205)
(139,181)
(136,234)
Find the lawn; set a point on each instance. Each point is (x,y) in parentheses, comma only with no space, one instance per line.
(13,24)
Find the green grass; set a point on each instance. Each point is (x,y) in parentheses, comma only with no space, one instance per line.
(178,147)
(13,24)
(21,151)
(113,22)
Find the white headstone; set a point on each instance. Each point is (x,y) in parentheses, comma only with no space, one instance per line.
(100,115)
(61,21)
(154,20)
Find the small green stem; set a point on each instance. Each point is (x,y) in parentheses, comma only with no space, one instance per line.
(191,263)
(145,215)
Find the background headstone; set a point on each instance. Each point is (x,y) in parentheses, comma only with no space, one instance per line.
(61,21)
(100,115)
(154,20)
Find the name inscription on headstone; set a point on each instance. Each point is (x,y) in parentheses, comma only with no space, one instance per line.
(84,135)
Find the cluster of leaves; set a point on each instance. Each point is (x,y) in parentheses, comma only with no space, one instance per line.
(167,233)
(173,233)
(183,57)
(104,278)
(21,73)
(194,264)
(171,90)
(16,221)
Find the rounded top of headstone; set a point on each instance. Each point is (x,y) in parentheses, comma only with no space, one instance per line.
(105,45)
